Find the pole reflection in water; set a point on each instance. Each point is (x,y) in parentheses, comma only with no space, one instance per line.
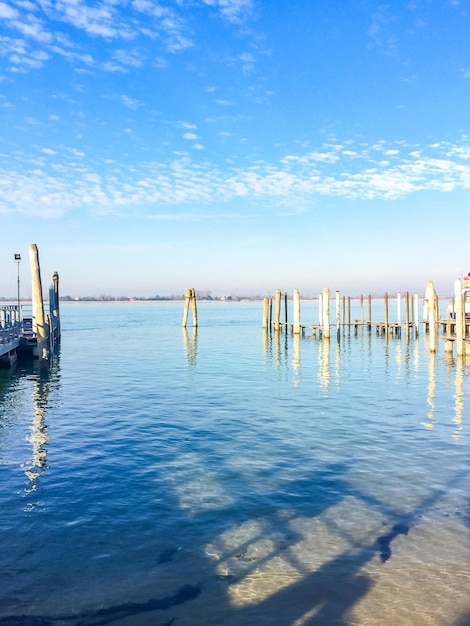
(459,399)
(324,374)
(190,346)
(431,391)
(44,381)
(297,378)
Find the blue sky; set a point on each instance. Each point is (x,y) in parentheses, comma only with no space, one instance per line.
(236,146)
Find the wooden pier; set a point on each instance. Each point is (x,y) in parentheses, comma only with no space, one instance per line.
(34,334)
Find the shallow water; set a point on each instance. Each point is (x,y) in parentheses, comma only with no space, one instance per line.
(160,476)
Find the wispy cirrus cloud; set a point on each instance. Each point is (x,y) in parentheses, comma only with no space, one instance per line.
(57,183)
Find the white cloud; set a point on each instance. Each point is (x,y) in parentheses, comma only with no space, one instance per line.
(290,182)
(190,136)
(7,12)
(131,103)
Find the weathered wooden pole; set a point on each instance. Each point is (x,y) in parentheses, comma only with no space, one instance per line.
(407,314)
(296,312)
(193,301)
(362,309)
(448,344)
(285,308)
(270,312)
(349,311)
(386,313)
(39,326)
(277,310)
(344,310)
(56,312)
(338,317)
(186,307)
(431,305)
(369,310)
(459,317)
(416,313)
(326,313)
(265,312)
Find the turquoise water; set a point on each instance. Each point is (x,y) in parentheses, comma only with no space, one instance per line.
(158,476)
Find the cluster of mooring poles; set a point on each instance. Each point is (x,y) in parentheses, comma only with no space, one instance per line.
(190,301)
(457,327)
(34,335)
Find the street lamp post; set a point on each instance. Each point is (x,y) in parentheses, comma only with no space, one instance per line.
(18,261)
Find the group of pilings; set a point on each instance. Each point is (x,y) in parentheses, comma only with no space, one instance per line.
(36,335)
(342,315)
(456,328)
(190,302)
(45,328)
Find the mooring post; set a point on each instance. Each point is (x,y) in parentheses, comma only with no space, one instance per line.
(285,308)
(277,310)
(431,304)
(326,313)
(386,313)
(416,313)
(369,311)
(407,314)
(39,326)
(193,301)
(448,344)
(186,308)
(56,312)
(338,318)
(296,312)
(459,317)
(265,312)
(362,310)
(344,311)
(399,311)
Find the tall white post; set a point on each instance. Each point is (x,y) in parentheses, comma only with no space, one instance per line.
(296,312)
(431,302)
(39,326)
(326,313)
(459,317)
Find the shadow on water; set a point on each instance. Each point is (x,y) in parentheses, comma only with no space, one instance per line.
(325,596)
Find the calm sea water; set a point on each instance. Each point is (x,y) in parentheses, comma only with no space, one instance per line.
(158,476)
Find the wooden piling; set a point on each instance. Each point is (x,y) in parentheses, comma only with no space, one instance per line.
(432,322)
(265,312)
(369,310)
(277,310)
(296,312)
(386,313)
(190,299)
(416,313)
(338,317)
(194,305)
(39,326)
(187,302)
(459,317)
(56,312)
(326,313)
(285,309)
(362,309)
(407,314)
